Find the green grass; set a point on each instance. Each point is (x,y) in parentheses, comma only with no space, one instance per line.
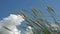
(39,22)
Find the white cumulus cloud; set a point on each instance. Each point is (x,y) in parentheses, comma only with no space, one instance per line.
(10,22)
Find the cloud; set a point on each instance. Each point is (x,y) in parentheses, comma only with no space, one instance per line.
(11,22)
(29,30)
(55,27)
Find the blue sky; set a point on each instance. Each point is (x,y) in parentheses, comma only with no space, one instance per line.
(9,6)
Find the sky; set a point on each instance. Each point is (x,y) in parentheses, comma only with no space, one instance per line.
(9,6)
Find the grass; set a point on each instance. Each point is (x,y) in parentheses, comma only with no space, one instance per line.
(40,23)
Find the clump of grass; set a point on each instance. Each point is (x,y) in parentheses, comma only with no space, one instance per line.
(39,22)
